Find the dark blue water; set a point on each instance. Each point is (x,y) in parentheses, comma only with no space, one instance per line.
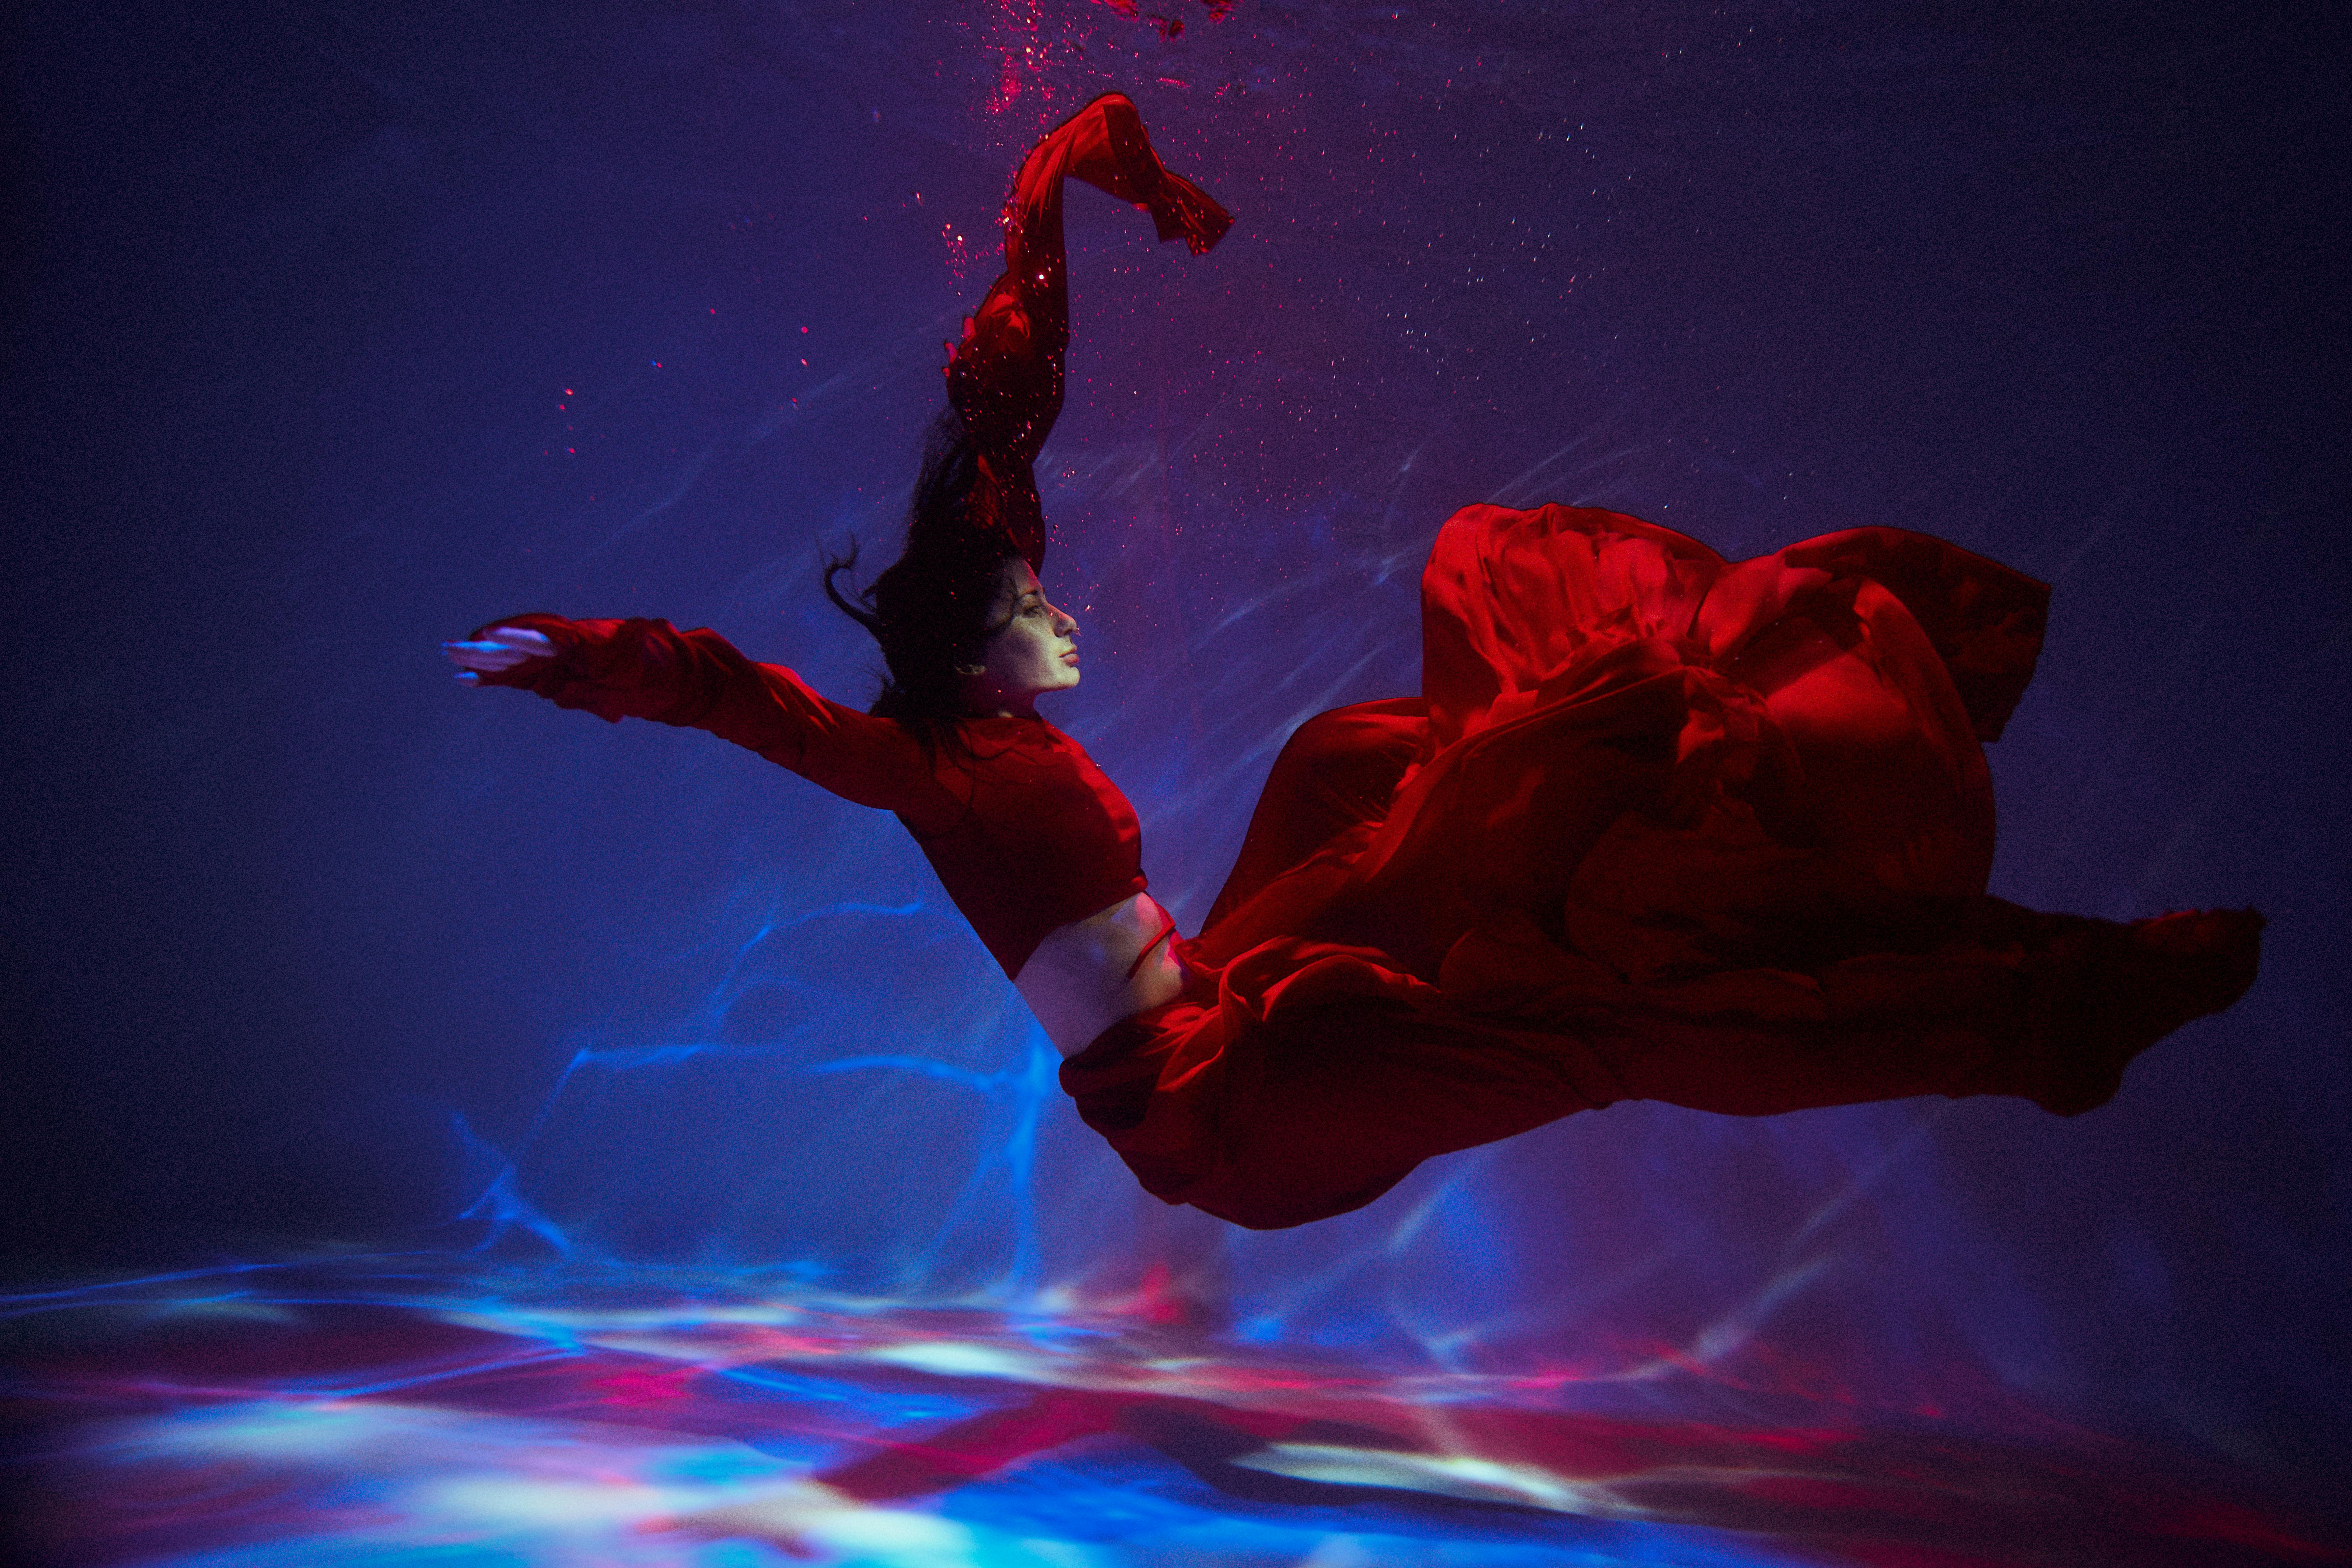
(338,331)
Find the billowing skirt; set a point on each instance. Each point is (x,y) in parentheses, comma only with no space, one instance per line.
(1660,826)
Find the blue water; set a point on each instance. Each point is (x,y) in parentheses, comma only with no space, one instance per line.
(342,330)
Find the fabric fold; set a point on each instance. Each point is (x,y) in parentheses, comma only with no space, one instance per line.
(1661,826)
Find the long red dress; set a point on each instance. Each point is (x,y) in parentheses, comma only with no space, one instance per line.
(1660,826)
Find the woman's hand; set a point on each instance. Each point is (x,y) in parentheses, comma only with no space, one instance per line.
(502,647)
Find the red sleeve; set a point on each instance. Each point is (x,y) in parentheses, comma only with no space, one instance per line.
(697,680)
(1004,378)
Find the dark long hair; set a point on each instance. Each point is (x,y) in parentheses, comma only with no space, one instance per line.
(929,609)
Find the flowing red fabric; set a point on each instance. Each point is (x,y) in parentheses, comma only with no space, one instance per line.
(1660,826)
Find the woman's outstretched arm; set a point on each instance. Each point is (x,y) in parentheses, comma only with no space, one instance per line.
(697,680)
(1005,377)
(1106,145)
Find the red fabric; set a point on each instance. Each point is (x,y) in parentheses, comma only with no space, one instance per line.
(1661,826)
(1004,379)
(1026,831)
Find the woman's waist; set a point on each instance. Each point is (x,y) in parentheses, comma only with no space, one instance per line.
(1088,974)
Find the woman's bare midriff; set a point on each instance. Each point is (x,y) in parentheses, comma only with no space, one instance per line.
(1084,977)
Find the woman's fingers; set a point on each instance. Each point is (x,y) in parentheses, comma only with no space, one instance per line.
(502,648)
(482,655)
(534,645)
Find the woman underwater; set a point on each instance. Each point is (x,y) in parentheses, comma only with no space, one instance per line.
(1660,826)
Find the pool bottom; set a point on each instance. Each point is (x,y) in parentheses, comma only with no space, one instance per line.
(391,1411)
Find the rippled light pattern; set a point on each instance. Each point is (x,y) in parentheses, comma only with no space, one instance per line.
(403,1410)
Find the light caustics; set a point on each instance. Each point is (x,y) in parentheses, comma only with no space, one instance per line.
(400,1409)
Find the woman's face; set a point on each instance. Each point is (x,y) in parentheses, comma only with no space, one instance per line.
(1033,648)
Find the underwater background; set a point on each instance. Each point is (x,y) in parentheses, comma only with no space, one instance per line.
(337,331)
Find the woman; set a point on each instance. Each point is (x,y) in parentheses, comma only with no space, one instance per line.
(1660,826)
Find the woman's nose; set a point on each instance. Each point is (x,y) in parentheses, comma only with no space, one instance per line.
(1065,622)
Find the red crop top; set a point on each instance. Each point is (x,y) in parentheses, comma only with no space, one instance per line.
(1026,831)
